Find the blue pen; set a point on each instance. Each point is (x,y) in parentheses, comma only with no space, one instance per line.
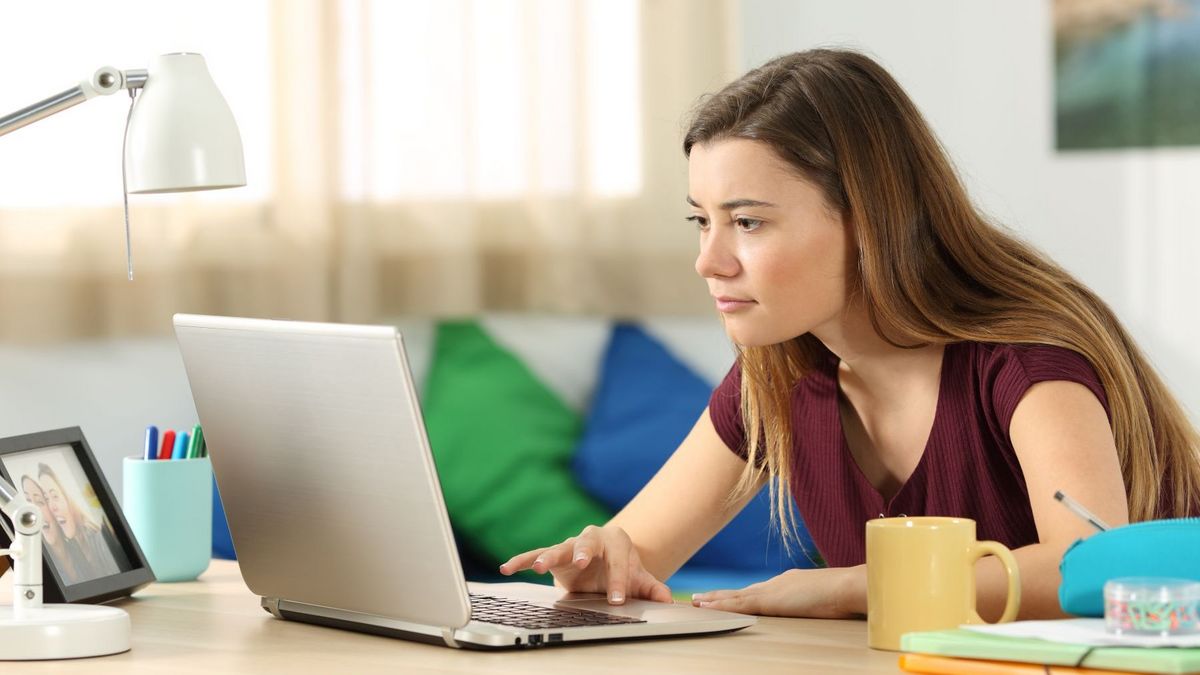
(151,442)
(180,450)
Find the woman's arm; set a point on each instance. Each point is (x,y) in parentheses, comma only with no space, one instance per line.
(681,508)
(687,502)
(1063,442)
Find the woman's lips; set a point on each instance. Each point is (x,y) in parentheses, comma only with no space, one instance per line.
(727,304)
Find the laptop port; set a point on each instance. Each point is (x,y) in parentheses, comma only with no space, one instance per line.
(535,639)
(555,637)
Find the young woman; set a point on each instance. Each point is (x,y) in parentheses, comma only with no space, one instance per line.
(898,355)
(93,556)
(52,534)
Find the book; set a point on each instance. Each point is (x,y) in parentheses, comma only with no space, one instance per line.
(975,645)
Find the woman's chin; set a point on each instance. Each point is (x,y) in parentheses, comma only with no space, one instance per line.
(746,336)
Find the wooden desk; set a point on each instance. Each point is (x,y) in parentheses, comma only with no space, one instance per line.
(214,626)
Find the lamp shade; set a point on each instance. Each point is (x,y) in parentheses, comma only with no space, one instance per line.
(182,135)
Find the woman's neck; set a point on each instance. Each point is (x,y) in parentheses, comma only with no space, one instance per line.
(873,367)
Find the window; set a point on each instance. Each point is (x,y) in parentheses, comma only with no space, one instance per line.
(489,99)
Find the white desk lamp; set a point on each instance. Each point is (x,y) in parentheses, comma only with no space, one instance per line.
(180,137)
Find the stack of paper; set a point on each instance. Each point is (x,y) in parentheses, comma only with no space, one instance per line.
(1083,632)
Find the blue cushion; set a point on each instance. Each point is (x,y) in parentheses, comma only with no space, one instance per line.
(222,543)
(646,402)
(693,579)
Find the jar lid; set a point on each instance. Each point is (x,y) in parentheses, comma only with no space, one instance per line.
(1162,589)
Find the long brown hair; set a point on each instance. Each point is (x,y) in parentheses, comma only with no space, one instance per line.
(931,269)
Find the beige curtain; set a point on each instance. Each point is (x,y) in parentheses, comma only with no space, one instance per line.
(310,253)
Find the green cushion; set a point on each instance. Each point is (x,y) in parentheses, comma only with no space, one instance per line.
(503,443)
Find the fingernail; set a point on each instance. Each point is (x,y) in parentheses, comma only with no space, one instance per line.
(504,568)
(580,556)
(705,604)
(616,597)
(697,596)
(539,561)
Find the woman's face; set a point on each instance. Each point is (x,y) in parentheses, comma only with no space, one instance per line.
(774,254)
(35,496)
(58,505)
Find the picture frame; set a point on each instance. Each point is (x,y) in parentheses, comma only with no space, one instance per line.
(89,552)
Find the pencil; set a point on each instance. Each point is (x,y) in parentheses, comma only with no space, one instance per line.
(1078,509)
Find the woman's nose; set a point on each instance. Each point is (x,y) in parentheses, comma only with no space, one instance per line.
(715,259)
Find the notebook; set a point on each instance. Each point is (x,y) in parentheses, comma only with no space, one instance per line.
(975,645)
(333,502)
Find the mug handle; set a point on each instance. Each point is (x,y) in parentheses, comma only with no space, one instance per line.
(1013,602)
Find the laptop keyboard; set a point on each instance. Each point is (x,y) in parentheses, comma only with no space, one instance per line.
(520,614)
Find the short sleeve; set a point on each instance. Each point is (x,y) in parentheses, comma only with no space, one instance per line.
(1016,368)
(725,411)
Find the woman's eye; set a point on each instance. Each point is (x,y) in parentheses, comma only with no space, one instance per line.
(748,224)
(701,222)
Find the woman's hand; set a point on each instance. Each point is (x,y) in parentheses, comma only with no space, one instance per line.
(830,593)
(599,560)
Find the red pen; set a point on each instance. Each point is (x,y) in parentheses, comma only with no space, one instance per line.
(168,444)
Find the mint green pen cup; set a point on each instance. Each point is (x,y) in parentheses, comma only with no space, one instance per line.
(168,503)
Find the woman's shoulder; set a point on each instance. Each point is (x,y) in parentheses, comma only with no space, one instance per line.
(1004,372)
(1033,360)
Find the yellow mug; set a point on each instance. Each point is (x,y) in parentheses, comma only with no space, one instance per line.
(921,576)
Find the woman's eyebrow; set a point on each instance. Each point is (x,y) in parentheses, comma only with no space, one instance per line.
(735,204)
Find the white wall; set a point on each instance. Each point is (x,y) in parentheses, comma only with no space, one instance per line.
(109,389)
(982,72)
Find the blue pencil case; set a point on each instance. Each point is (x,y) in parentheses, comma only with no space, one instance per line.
(1154,548)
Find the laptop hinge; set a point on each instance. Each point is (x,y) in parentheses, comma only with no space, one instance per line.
(448,636)
(272,606)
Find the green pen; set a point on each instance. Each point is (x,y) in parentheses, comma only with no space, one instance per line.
(196,443)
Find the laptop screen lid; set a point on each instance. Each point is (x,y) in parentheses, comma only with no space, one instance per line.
(320,453)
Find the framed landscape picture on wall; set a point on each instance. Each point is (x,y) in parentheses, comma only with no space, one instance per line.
(1126,73)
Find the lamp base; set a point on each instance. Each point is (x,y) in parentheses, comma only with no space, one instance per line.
(62,632)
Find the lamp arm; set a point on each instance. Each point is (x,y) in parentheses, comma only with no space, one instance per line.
(104,82)
(26,548)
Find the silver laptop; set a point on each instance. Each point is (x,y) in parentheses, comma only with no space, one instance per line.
(332,498)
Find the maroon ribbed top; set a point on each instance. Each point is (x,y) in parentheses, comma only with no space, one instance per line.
(968,469)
